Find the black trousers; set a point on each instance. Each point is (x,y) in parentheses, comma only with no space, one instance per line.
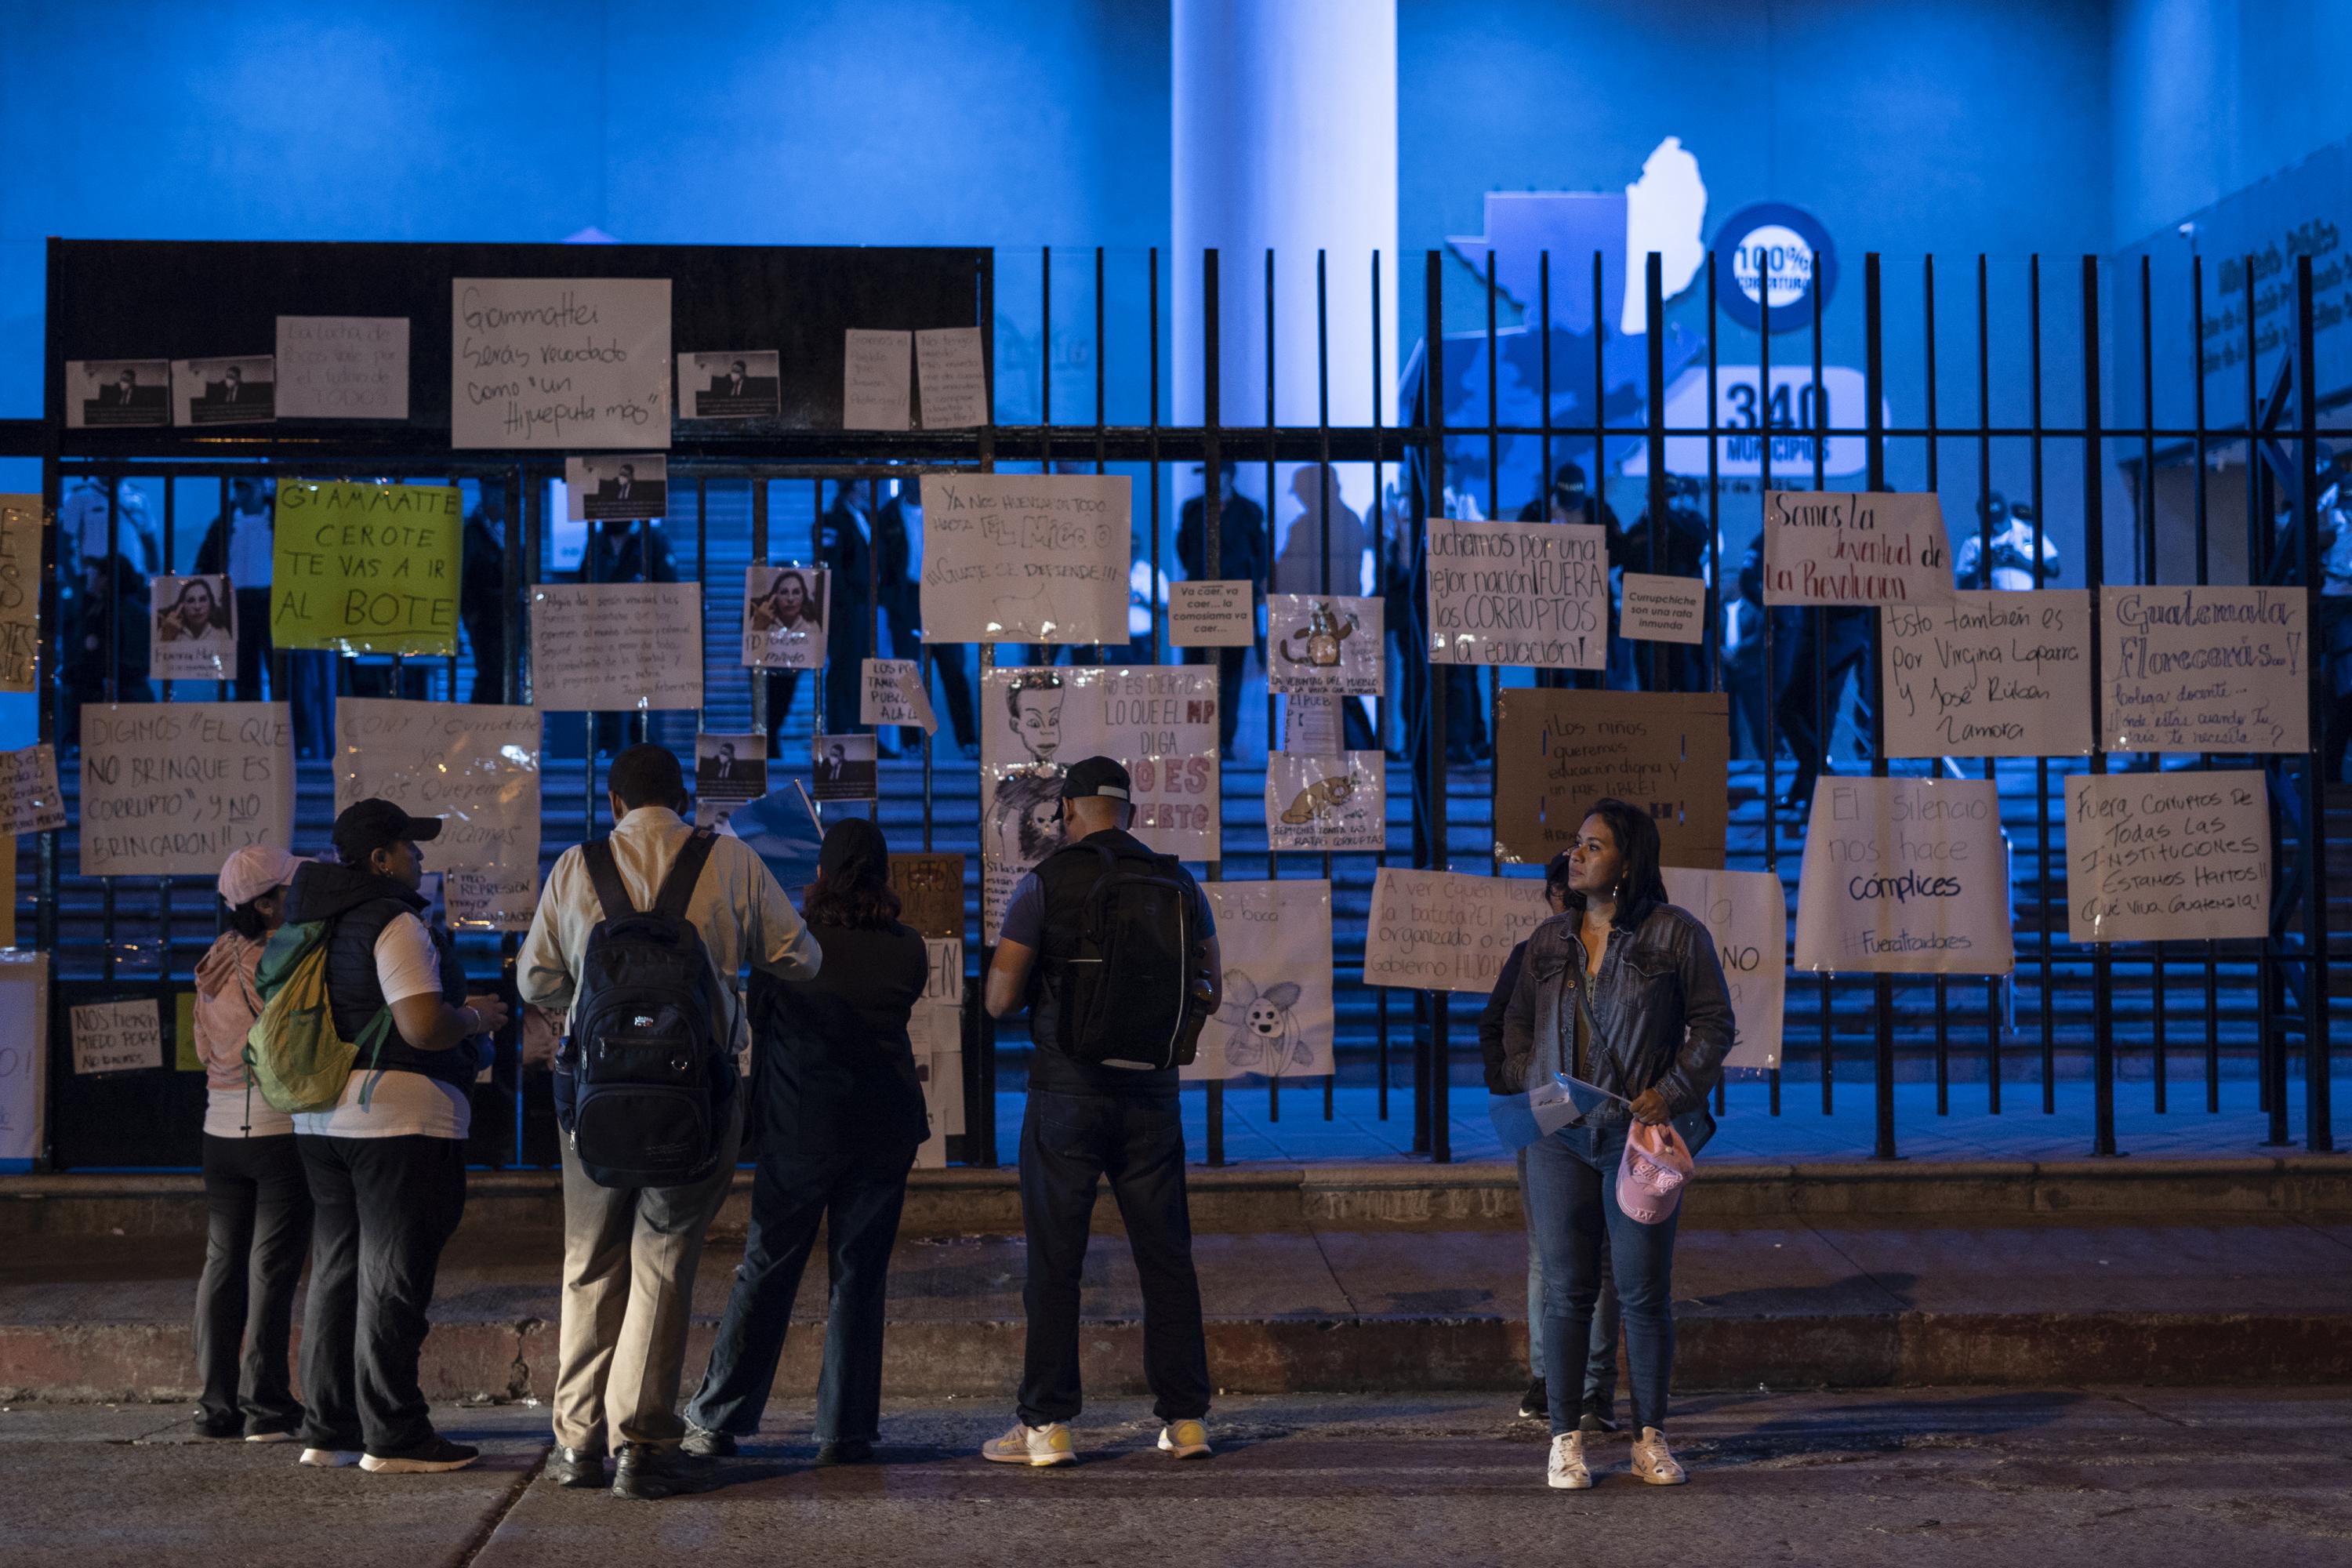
(384,1208)
(1069,1142)
(254,642)
(258,1206)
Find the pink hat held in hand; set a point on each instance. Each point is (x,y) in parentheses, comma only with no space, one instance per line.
(255,871)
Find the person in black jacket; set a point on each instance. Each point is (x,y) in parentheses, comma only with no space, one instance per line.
(1241,557)
(482,593)
(837,1112)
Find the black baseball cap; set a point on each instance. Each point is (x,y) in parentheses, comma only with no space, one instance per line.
(365,827)
(1097,777)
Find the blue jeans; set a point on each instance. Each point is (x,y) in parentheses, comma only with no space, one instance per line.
(1600,1352)
(1573,1209)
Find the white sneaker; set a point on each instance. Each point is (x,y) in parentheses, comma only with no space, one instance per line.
(1184,1439)
(330,1458)
(269,1437)
(1653,1462)
(1027,1445)
(1567,1470)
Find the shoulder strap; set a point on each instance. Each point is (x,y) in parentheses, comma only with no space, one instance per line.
(605,875)
(677,887)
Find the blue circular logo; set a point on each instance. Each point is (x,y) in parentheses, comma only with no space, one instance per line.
(1775,253)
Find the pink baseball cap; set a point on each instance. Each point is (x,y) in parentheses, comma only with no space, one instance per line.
(255,871)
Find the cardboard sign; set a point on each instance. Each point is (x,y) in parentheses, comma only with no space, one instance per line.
(1027,557)
(24,1057)
(874,380)
(171,789)
(30,800)
(1990,674)
(20,593)
(1849,547)
(605,646)
(342,367)
(1655,607)
(891,693)
(1556,753)
(954,373)
(1213,613)
(118,1036)
(1906,877)
(192,629)
(785,610)
(2160,857)
(475,767)
(1327,802)
(560,362)
(1443,930)
(1325,645)
(728,771)
(366,568)
(1746,914)
(2204,669)
(1518,593)
(1277,1018)
(930,886)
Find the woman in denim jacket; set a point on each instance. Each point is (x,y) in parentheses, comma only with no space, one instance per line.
(1624,992)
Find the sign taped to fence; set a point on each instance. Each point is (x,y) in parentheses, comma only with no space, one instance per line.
(30,800)
(953,373)
(2167,855)
(1213,613)
(170,789)
(929,885)
(366,568)
(1906,877)
(1446,930)
(1993,673)
(1276,1019)
(1659,607)
(1746,914)
(1325,645)
(1856,547)
(876,373)
(1518,593)
(728,771)
(118,1036)
(1028,558)
(24,1057)
(601,646)
(1336,802)
(1556,753)
(892,694)
(342,367)
(2204,669)
(192,629)
(475,767)
(784,614)
(560,362)
(20,592)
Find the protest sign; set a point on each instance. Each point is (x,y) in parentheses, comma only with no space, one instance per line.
(342,367)
(892,694)
(1027,557)
(30,801)
(24,1057)
(560,362)
(366,568)
(2204,669)
(192,629)
(1556,753)
(1325,802)
(1989,674)
(604,646)
(2167,855)
(1655,607)
(7,879)
(929,885)
(118,1036)
(954,375)
(1323,645)
(1905,876)
(20,592)
(170,789)
(1213,613)
(1444,931)
(784,614)
(1277,1018)
(1746,915)
(728,771)
(875,371)
(1517,592)
(935,1032)
(1312,725)
(1846,547)
(475,767)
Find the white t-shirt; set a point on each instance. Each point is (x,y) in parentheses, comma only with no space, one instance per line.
(227,1113)
(401,1104)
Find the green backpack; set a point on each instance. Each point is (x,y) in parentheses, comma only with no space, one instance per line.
(293,1054)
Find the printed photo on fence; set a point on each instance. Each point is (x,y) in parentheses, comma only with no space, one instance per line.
(102,393)
(729,770)
(842,768)
(193,635)
(242,390)
(743,384)
(784,611)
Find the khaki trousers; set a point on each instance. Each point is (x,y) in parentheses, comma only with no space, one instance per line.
(629,1261)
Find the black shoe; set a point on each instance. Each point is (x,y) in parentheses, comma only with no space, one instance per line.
(845,1451)
(709,1444)
(1596,1418)
(432,1456)
(577,1466)
(646,1473)
(220,1430)
(1533,1405)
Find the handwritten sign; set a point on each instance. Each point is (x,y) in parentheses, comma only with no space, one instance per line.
(954,378)
(1518,593)
(1323,645)
(1746,914)
(874,380)
(1213,613)
(560,362)
(118,1036)
(2204,669)
(1029,558)
(2155,857)
(30,801)
(170,789)
(474,766)
(23,1057)
(1312,725)
(1277,1018)
(785,610)
(1444,931)
(1989,674)
(605,646)
(1325,802)
(1656,607)
(342,367)
(892,694)
(366,568)
(20,593)
(1556,753)
(1905,876)
(929,885)
(1849,547)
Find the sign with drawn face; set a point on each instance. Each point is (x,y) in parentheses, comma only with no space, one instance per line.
(1324,645)
(1276,1019)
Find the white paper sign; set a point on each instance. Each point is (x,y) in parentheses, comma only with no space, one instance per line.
(605,646)
(192,629)
(20,591)
(1990,674)
(1849,547)
(342,367)
(560,362)
(1028,558)
(1324,645)
(1656,607)
(1517,592)
(2160,857)
(955,378)
(1276,1019)
(1327,802)
(785,613)
(874,380)
(1906,877)
(1312,725)
(118,1036)
(170,789)
(1213,613)
(1444,931)
(893,694)
(24,1055)
(1746,914)
(475,767)
(934,1030)
(30,801)
(2204,669)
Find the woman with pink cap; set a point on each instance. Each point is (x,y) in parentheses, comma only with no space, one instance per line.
(253,1186)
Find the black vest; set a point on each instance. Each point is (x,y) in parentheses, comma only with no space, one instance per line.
(1066,877)
(355,997)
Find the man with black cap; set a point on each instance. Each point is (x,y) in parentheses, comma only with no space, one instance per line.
(1090,1119)
(387,1165)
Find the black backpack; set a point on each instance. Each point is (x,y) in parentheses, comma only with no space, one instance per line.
(652,1079)
(1134,990)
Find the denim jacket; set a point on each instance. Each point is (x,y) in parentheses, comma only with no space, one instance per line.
(1660,1009)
